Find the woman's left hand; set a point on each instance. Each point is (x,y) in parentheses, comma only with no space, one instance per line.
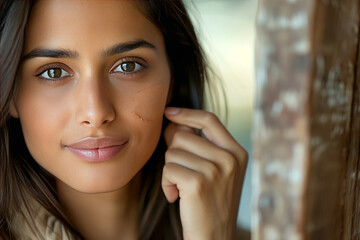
(206,174)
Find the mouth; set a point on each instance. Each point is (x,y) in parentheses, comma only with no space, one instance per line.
(97,149)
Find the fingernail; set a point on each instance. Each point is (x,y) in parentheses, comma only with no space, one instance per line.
(172,110)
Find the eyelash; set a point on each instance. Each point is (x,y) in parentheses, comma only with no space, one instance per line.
(61,67)
(129,60)
(53,66)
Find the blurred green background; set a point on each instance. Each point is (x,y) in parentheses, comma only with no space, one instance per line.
(226,29)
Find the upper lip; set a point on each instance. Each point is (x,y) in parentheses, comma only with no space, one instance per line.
(94,143)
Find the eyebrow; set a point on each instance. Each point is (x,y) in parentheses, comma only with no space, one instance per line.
(66,53)
(127,46)
(51,53)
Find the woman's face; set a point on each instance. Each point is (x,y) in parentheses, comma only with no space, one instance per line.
(92,91)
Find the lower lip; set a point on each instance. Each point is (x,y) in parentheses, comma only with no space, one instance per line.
(99,154)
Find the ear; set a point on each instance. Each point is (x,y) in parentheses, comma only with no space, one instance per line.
(170,92)
(13,110)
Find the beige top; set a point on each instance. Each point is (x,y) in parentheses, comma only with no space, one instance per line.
(48,226)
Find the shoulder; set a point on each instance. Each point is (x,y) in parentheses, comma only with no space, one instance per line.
(40,225)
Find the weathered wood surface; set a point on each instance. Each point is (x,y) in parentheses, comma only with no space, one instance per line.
(352,194)
(351,214)
(330,176)
(281,123)
(305,147)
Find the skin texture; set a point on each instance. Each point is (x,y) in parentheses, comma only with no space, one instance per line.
(93,100)
(207,174)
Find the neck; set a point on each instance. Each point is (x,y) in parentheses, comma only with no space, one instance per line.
(103,215)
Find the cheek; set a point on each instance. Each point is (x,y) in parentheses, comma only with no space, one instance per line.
(149,103)
(147,116)
(42,117)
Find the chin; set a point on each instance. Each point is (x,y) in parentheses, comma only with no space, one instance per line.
(95,185)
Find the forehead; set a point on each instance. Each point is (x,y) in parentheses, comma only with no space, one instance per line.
(81,24)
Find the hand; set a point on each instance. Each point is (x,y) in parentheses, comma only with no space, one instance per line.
(206,174)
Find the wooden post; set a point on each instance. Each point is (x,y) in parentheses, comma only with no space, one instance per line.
(306,127)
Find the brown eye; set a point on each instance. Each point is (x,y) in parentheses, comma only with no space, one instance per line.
(128,67)
(54,73)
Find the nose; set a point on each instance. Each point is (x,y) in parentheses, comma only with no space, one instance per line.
(94,107)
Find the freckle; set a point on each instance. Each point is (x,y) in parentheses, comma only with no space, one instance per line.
(138,116)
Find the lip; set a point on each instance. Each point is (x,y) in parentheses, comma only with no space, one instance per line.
(97,149)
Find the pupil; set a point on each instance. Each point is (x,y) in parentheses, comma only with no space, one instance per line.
(128,66)
(54,72)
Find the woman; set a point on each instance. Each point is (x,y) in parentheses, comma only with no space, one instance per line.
(99,125)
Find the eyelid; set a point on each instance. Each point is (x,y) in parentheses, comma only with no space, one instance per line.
(53,65)
(137,60)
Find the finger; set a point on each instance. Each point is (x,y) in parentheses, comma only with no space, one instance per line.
(172,128)
(204,149)
(198,164)
(179,181)
(211,126)
(206,121)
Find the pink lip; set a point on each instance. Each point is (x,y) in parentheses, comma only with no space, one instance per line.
(97,149)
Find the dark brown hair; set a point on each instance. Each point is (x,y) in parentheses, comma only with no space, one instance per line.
(22,178)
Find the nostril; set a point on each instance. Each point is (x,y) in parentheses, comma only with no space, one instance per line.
(86,122)
(93,124)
